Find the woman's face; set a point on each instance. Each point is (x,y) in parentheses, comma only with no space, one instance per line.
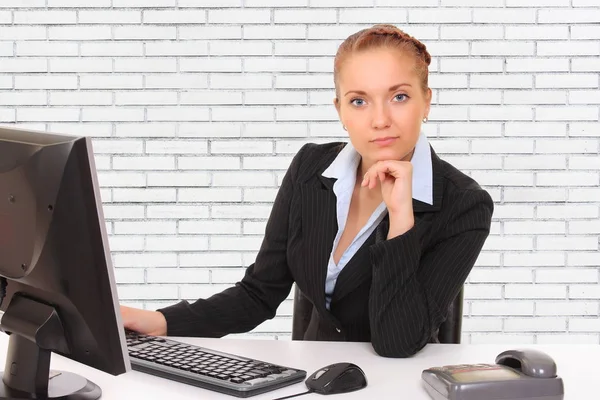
(382,104)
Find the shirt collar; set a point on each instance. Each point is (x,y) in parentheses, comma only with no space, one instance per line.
(345,164)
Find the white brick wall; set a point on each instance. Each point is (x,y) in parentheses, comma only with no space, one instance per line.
(196,108)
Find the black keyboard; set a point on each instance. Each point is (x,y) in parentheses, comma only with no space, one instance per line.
(206,368)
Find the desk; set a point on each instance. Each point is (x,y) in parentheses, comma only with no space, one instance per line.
(578,365)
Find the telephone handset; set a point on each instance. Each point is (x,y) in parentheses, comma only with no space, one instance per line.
(517,375)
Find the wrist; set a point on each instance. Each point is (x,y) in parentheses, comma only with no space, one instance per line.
(400,224)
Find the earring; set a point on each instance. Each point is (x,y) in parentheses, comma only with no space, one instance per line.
(425,120)
(344,126)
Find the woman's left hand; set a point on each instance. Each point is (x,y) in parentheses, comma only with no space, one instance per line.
(395,179)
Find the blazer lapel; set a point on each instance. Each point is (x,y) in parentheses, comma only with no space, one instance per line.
(319,226)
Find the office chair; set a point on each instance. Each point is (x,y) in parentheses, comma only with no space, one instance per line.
(449,331)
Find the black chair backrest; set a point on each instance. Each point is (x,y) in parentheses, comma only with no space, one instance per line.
(449,331)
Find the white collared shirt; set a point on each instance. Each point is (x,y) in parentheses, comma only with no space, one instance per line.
(343,168)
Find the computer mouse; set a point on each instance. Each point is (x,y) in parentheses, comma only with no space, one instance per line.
(337,378)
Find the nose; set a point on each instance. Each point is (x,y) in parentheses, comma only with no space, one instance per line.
(381,117)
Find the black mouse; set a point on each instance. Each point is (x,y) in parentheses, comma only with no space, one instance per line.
(337,378)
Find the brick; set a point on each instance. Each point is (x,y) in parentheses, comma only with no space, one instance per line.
(305,48)
(176,81)
(508,243)
(448,81)
(129,243)
(502,338)
(80,65)
(476,32)
(6,49)
(535,162)
(120,212)
(504,16)
(304,16)
(584,97)
(145,130)
(566,114)
(145,98)
(176,146)
(240,48)
(174,16)
(448,48)
(30,32)
(539,32)
(208,162)
(177,114)
(471,129)
(119,179)
(274,32)
(213,129)
(33,98)
(177,211)
(493,81)
(176,243)
(566,308)
(566,48)
(259,196)
(537,259)
(242,179)
(143,3)
(129,275)
(275,3)
(582,259)
(109,17)
(566,275)
(243,81)
(224,64)
(276,97)
(502,308)
(179,178)
(7,115)
(448,113)
(295,113)
(584,129)
(145,227)
(210,259)
(275,130)
(584,291)
(537,324)
(534,227)
(132,260)
(144,32)
(566,81)
(83,129)
(144,195)
(144,163)
(242,114)
(436,16)
(156,291)
(111,81)
(240,16)
(46,17)
(566,16)
(586,162)
(212,227)
(79,3)
(482,324)
(567,179)
(471,65)
(500,275)
(512,211)
(268,163)
(496,146)
(502,113)
(241,243)
(586,64)
(229,275)
(240,211)
(209,3)
(569,338)
(300,81)
(112,114)
(565,212)
(79,33)
(535,97)
(502,48)
(104,146)
(209,195)
(46,49)
(112,49)
(523,129)
(177,275)
(584,195)
(170,48)
(47,114)
(535,291)
(524,64)
(274,64)
(80,98)
(210,32)
(567,243)
(584,227)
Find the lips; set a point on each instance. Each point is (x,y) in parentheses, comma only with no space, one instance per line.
(385,139)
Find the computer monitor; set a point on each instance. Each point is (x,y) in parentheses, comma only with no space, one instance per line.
(60,293)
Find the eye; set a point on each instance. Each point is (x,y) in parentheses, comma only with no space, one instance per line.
(357,102)
(400,97)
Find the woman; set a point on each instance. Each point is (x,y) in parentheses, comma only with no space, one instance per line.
(379,234)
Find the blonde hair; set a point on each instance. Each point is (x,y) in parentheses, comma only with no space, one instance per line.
(383,36)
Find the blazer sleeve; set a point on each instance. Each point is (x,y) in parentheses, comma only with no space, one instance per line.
(266,282)
(412,288)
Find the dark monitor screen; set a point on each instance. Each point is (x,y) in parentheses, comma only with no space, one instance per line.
(60,293)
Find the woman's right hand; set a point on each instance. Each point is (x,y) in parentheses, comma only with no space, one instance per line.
(144,321)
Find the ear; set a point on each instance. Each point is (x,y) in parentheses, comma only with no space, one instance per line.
(428,97)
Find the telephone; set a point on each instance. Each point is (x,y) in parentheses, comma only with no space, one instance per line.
(517,375)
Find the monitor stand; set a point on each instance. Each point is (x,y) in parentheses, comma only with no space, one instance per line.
(35,331)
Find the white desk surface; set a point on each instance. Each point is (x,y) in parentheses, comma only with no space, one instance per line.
(578,365)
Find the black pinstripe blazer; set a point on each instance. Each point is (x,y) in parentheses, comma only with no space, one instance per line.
(394,293)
